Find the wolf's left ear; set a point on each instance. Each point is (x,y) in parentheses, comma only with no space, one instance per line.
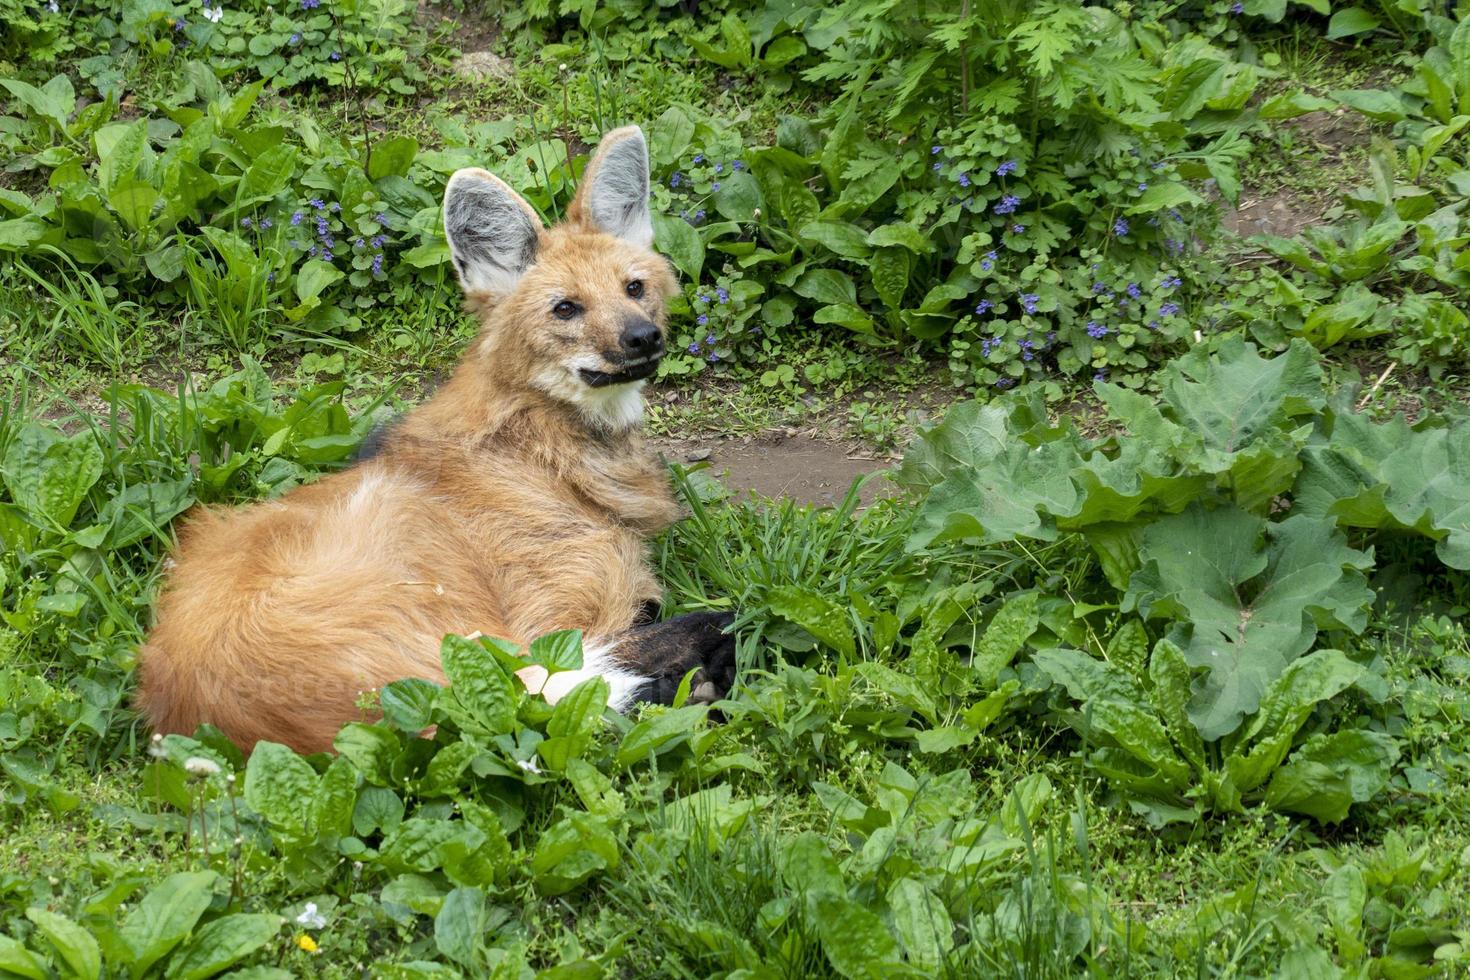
(613,197)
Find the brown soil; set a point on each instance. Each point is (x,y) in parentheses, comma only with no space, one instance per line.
(783,463)
(1287,211)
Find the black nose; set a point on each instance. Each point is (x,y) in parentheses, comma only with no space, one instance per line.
(641,339)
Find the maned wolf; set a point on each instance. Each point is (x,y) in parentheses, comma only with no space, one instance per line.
(517,501)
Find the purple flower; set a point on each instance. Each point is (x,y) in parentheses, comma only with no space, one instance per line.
(1099,287)
(694,347)
(702,319)
(1028,301)
(381,219)
(1169,309)
(1007,204)
(1153,324)
(311,252)
(699,215)
(179,24)
(1096,330)
(676,179)
(1173,246)
(335,56)
(310,4)
(296,218)
(738,166)
(723,294)
(1018,229)
(938,167)
(378,264)
(294,39)
(984,307)
(1143,185)
(1100,375)
(335,207)
(1174,213)
(713,357)
(698,158)
(719,168)
(715,186)
(317,203)
(1009,167)
(1120,227)
(702,298)
(1133,290)
(1005,383)
(1170,282)
(326,255)
(270,277)
(266,223)
(1237,8)
(986,346)
(377,241)
(964,180)
(359,243)
(988,263)
(709,341)
(935,150)
(245,222)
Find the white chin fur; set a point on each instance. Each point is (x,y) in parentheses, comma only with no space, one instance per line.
(612,406)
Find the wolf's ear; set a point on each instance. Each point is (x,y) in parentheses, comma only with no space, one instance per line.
(613,196)
(492,231)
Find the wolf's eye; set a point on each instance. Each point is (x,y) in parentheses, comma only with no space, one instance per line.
(564,310)
(635,288)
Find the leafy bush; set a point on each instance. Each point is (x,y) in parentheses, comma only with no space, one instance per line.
(1218,515)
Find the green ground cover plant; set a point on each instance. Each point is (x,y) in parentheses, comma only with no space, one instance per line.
(1152,666)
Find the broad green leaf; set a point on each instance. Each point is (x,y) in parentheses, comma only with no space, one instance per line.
(1330,773)
(846,240)
(1392,476)
(561,650)
(824,619)
(422,844)
(856,941)
(1087,678)
(480,695)
(165,916)
(1008,631)
(1377,104)
(392,157)
(16,959)
(739,196)
(1252,607)
(1348,21)
(408,705)
(1284,708)
(1170,693)
(678,240)
(280,786)
(1162,197)
(670,135)
(120,149)
(847,316)
(47,475)
(336,795)
(985,482)
(370,748)
(313,278)
(134,201)
(462,925)
(922,921)
(889,271)
(829,286)
(221,944)
(572,850)
(267,176)
(653,734)
(144,509)
(78,949)
(572,723)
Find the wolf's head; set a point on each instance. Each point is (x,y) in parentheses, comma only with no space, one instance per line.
(577,310)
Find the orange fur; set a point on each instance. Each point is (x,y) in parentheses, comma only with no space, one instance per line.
(498,506)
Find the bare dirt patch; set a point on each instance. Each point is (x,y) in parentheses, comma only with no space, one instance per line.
(1330,137)
(784,464)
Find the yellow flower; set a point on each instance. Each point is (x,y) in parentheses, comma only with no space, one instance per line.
(306,943)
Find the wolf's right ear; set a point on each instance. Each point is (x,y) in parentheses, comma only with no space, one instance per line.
(492,231)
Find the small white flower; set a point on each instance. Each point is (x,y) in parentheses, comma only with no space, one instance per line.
(196,766)
(53,6)
(311,918)
(528,765)
(213,14)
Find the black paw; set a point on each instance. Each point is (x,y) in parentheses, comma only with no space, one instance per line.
(668,650)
